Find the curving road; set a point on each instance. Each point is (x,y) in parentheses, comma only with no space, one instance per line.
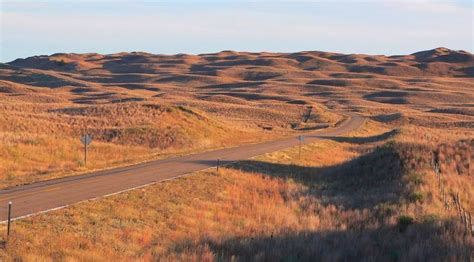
(52,194)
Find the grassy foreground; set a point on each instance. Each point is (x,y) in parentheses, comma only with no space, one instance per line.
(368,196)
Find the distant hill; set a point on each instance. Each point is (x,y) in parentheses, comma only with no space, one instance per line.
(439,62)
(228,75)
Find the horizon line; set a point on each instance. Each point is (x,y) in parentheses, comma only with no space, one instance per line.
(230,50)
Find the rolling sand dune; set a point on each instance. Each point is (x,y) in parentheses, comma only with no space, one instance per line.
(368,194)
(260,91)
(269,91)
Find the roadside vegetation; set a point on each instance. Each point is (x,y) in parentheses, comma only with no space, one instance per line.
(367,195)
(41,141)
(397,189)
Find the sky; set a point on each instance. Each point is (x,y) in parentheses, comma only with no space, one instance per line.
(389,27)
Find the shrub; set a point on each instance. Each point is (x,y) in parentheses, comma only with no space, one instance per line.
(417,178)
(404,221)
(416,197)
(430,218)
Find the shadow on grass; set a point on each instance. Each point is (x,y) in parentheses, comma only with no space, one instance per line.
(426,241)
(363,182)
(363,140)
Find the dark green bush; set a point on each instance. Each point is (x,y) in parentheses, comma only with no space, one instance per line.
(404,221)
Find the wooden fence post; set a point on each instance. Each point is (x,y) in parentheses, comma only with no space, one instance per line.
(9,218)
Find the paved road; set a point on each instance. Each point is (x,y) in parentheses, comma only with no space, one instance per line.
(56,193)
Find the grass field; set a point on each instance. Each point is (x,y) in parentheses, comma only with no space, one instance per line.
(370,195)
(343,199)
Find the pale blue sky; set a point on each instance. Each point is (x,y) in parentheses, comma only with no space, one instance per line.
(167,27)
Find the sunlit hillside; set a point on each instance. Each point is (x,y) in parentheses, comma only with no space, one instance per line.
(399,188)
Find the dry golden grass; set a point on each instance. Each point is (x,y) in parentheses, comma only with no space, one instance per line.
(369,195)
(331,203)
(42,141)
(142,106)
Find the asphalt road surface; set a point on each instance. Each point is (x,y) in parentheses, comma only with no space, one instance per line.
(52,194)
